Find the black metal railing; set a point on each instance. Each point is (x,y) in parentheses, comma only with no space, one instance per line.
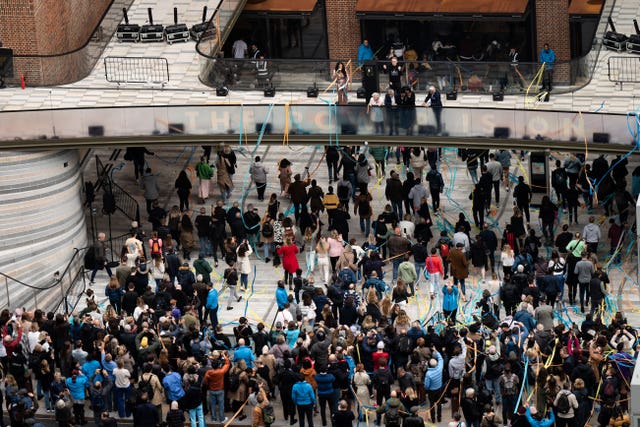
(135,69)
(623,69)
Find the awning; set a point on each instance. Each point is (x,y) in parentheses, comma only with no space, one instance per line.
(471,8)
(281,7)
(585,7)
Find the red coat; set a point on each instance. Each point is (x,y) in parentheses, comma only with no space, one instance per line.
(289,258)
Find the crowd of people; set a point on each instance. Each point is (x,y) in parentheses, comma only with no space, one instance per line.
(345,343)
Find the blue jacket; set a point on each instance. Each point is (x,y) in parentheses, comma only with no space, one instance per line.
(109,367)
(89,368)
(433,376)
(379,285)
(281,297)
(325,384)
(449,300)
(526,318)
(77,389)
(302,394)
(292,337)
(540,423)
(114,294)
(212,299)
(365,53)
(173,385)
(549,58)
(245,353)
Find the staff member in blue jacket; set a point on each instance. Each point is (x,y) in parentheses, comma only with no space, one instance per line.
(304,398)
(450,295)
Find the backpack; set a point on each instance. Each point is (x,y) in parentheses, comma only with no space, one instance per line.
(509,385)
(343,192)
(144,386)
(364,208)
(404,345)
(234,382)
(155,247)
(392,416)
(563,405)
(267,230)
(268,415)
(559,178)
(444,250)
(350,300)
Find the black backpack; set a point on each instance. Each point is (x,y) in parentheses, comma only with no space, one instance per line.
(144,386)
(392,416)
(267,230)
(343,192)
(404,345)
(559,177)
(563,406)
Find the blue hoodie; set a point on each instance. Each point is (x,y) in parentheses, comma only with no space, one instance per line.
(450,300)
(212,299)
(281,297)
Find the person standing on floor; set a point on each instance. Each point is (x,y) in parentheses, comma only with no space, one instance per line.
(547,59)
(259,176)
(150,187)
(304,398)
(183,188)
(434,101)
(231,278)
(204,172)
(522,193)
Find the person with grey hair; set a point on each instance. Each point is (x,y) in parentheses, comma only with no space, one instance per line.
(434,101)
(471,408)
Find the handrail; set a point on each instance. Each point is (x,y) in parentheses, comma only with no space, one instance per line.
(211,24)
(58,279)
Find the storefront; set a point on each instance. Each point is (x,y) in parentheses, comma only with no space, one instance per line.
(583,17)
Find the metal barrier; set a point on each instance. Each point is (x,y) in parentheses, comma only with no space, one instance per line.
(135,69)
(623,69)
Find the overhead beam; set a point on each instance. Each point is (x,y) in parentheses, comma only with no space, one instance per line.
(275,139)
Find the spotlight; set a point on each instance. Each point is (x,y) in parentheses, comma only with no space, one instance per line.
(361,93)
(222,91)
(312,91)
(269,91)
(452,96)
(498,96)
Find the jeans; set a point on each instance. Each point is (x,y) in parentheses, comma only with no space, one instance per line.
(496,189)
(494,387)
(233,296)
(584,293)
(508,405)
(435,200)
(352,179)
(205,245)
(244,280)
(419,267)
(524,207)
(216,399)
(197,414)
(397,208)
(305,411)
(332,165)
(266,250)
(474,175)
(213,316)
(461,282)
(47,396)
(323,400)
(122,395)
(260,188)
(396,264)
(105,264)
(365,226)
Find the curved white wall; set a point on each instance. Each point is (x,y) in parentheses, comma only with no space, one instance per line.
(41,221)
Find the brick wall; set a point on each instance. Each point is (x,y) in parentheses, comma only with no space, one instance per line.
(552,26)
(343,29)
(49,27)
